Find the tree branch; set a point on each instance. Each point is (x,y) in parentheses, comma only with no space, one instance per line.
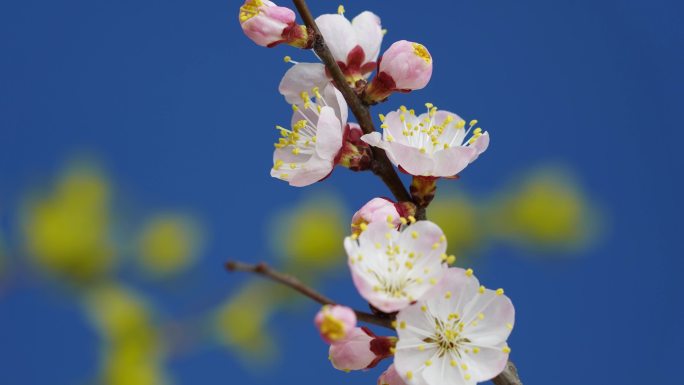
(292,282)
(381,164)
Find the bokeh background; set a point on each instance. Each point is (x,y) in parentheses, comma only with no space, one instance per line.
(135,148)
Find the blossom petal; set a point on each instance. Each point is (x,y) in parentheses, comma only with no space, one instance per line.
(334,99)
(302,77)
(328,134)
(481,144)
(312,171)
(368,34)
(353,353)
(338,34)
(411,159)
(488,363)
(453,160)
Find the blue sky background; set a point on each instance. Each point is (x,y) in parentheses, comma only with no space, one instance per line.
(176,102)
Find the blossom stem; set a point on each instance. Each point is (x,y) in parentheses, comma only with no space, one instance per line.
(294,283)
(381,165)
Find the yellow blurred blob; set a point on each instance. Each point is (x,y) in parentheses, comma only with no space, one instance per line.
(240,322)
(310,235)
(460,219)
(67,231)
(547,210)
(169,244)
(132,351)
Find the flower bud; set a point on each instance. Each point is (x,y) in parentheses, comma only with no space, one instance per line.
(269,25)
(391,377)
(360,350)
(378,210)
(335,322)
(404,67)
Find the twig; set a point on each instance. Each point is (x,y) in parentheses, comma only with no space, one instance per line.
(509,376)
(292,282)
(381,164)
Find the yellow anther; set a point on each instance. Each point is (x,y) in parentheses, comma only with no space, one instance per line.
(402,117)
(402,325)
(428,363)
(340,10)
(476,350)
(408,265)
(403,221)
(414,234)
(469,272)
(287,59)
(412,219)
(481,316)
(382,117)
(355,236)
(506,349)
(295,150)
(464,366)
(433,281)
(390,219)
(447,295)
(423,308)
(422,150)
(278,163)
(477,131)
(481,290)
(460,124)
(451,259)
(403,109)
(389,138)
(435,245)
(421,348)
(409,375)
(388,236)
(453,363)
(394,324)
(384,31)
(422,52)
(509,326)
(363,226)
(473,122)
(499,291)
(429,105)
(467,376)
(412,112)
(249,10)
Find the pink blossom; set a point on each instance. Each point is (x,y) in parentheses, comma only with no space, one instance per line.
(335,322)
(306,153)
(392,268)
(433,144)
(404,67)
(377,210)
(268,24)
(360,350)
(355,46)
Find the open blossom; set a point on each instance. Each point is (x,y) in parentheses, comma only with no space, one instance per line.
(404,67)
(392,268)
(306,153)
(456,335)
(378,210)
(355,46)
(334,322)
(434,144)
(360,350)
(391,377)
(269,25)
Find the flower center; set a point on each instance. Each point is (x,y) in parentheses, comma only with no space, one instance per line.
(250,9)
(422,52)
(448,336)
(332,327)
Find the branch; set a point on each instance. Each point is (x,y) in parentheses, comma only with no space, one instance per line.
(381,164)
(292,282)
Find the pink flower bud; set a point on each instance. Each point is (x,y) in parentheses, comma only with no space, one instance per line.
(376,210)
(404,67)
(335,322)
(391,377)
(360,350)
(269,25)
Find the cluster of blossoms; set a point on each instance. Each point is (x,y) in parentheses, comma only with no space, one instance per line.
(450,329)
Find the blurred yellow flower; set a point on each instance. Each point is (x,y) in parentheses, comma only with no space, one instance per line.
(132,352)
(67,231)
(240,323)
(460,219)
(310,234)
(547,210)
(169,243)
